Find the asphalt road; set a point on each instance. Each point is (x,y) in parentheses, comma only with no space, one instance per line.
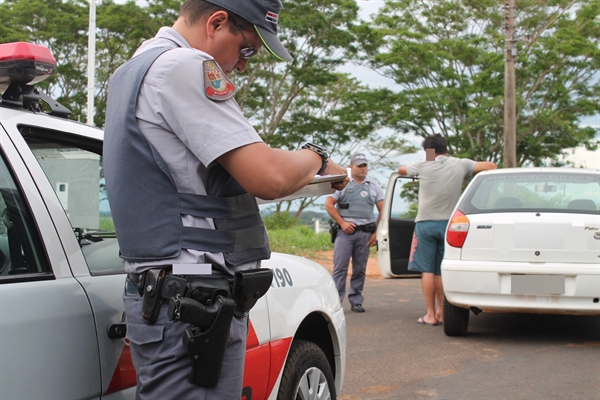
(503,356)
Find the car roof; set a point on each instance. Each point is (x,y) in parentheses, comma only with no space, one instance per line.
(528,170)
(17,117)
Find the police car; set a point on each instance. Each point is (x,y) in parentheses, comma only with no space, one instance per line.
(62,328)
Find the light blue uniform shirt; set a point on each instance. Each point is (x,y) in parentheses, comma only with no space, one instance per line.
(189,130)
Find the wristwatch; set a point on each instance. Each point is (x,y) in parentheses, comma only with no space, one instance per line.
(320,150)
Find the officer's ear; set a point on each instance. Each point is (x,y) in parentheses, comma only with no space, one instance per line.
(217,21)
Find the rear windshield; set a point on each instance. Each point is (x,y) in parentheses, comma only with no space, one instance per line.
(536,191)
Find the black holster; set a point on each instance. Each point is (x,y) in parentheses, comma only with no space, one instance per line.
(205,289)
(206,339)
(210,305)
(333,230)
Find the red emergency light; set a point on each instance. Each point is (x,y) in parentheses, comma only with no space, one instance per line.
(25,63)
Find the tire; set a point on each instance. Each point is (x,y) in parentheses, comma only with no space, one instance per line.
(307,374)
(456,319)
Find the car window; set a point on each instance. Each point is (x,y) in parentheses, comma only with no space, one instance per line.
(21,250)
(405,197)
(74,169)
(539,191)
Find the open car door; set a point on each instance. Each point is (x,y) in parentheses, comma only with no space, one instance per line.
(395,230)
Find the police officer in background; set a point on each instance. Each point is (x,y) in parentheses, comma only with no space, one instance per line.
(352,210)
(182,168)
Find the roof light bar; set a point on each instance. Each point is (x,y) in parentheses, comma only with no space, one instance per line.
(25,63)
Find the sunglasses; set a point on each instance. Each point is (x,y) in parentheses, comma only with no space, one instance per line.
(246,52)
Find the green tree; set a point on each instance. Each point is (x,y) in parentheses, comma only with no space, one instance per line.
(448,58)
(288,103)
(62,26)
(308,100)
(121,28)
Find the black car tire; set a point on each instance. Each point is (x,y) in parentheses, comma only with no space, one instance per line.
(306,371)
(456,319)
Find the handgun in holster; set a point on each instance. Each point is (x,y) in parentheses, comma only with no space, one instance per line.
(334,227)
(210,306)
(205,289)
(206,339)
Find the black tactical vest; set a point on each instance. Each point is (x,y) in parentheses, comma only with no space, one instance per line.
(145,204)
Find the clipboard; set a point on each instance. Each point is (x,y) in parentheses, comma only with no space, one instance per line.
(319,186)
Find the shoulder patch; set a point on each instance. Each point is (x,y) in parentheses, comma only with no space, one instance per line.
(216,85)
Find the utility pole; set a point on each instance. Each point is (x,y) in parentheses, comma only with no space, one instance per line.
(510,108)
(91,70)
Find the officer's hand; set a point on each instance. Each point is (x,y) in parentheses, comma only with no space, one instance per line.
(334,169)
(348,227)
(373,240)
(340,185)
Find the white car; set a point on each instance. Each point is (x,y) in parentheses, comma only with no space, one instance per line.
(62,323)
(520,240)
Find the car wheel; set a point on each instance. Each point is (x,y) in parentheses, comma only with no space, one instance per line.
(456,319)
(307,374)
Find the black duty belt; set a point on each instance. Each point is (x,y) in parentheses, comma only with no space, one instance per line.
(182,285)
(371,227)
(158,284)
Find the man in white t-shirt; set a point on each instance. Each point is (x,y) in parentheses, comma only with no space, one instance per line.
(440,186)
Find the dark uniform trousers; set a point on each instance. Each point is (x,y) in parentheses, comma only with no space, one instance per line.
(163,364)
(351,246)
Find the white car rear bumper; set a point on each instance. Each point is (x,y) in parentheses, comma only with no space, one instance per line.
(488,286)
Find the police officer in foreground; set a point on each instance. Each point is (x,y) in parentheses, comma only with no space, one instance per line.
(352,212)
(182,168)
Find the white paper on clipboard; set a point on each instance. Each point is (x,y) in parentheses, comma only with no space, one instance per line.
(319,186)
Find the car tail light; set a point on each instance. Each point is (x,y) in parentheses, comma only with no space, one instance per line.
(457,229)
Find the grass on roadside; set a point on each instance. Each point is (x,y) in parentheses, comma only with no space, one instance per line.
(299,240)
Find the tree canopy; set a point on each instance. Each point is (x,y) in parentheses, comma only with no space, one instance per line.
(448,58)
(306,100)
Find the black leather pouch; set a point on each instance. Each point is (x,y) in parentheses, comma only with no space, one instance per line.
(248,287)
(152,300)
